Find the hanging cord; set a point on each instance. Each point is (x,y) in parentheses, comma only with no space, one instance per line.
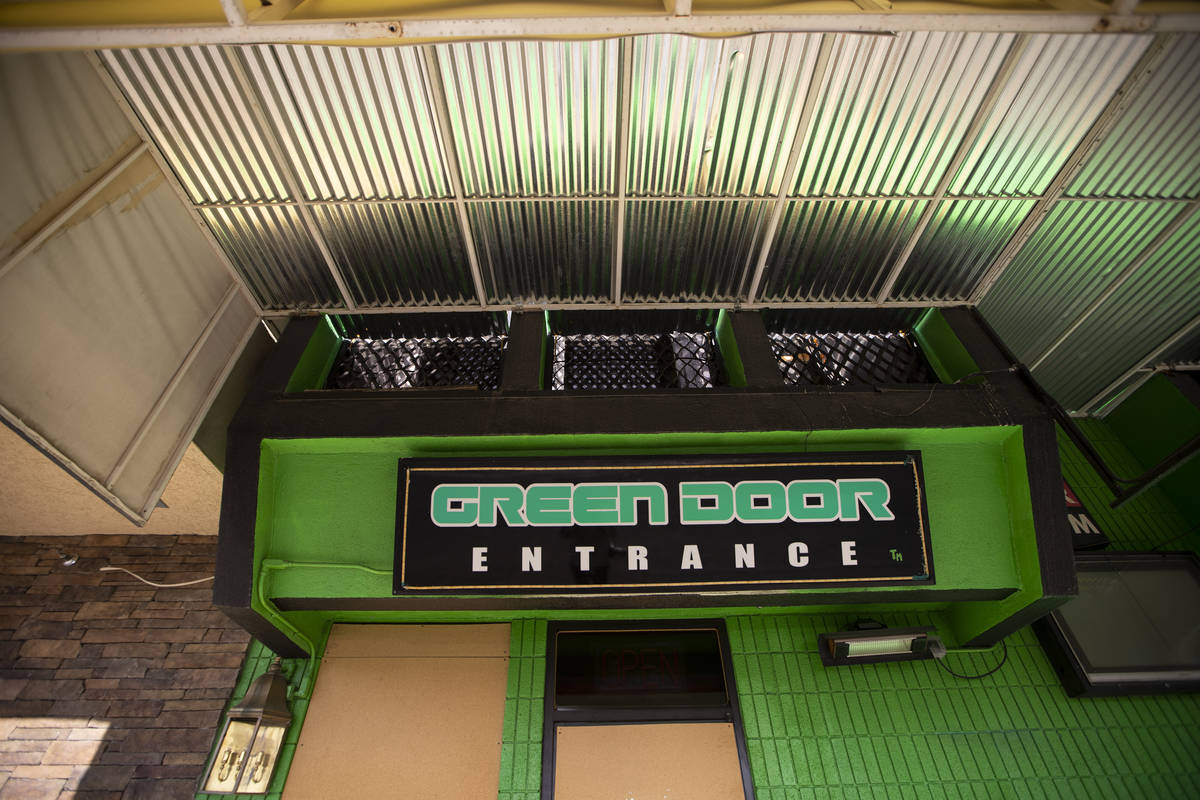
(1003,659)
(152,583)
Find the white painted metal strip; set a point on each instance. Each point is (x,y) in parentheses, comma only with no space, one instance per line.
(1182,218)
(437,93)
(1146,66)
(190,434)
(793,165)
(1149,358)
(169,389)
(172,180)
(43,444)
(417,30)
(56,222)
(999,83)
(625,81)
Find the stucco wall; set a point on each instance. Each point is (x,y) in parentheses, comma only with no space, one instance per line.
(37,497)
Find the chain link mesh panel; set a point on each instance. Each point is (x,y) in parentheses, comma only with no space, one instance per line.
(410,363)
(676,360)
(840,359)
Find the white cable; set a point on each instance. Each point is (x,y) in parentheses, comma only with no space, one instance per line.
(152,583)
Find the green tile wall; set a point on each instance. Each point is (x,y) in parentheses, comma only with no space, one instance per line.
(912,730)
(521,751)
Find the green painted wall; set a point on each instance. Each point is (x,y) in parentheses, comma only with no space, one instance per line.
(326,523)
(1152,423)
(942,349)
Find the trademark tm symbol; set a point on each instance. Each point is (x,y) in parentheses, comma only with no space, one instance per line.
(896,555)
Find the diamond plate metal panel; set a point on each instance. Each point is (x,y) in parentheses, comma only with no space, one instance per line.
(962,240)
(1149,308)
(689,250)
(1058,89)
(837,250)
(354,122)
(1153,150)
(1070,259)
(533,118)
(716,116)
(190,101)
(395,254)
(536,252)
(272,250)
(892,110)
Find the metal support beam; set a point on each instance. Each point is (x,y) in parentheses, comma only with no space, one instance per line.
(172,179)
(1149,358)
(1014,55)
(625,82)
(445,133)
(418,31)
(235,12)
(165,395)
(168,469)
(1160,471)
(1183,217)
(793,166)
(678,306)
(291,182)
(1147,65)
(64,215)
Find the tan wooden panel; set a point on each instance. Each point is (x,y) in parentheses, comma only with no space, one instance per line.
(672,761)
(404,641)
(413,727)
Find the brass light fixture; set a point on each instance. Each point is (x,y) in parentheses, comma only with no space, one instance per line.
(249,745)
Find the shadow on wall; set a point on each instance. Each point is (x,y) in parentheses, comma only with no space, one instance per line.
(110,688)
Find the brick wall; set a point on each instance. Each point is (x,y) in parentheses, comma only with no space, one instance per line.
(109,688)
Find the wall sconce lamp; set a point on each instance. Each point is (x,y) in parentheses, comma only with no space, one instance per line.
(249,750)
(876,644)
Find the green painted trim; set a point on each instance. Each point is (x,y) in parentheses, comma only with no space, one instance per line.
(969,620)
(727,344)
(317,359)
(945,353)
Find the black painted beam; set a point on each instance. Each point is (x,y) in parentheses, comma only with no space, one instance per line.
(754,348)
(524,357)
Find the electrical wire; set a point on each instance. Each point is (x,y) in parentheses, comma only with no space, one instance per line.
(1003,659)
(157,585)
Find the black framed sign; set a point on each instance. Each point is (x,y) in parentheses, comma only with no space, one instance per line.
(654,524)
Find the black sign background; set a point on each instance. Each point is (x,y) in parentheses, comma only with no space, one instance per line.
(432,559)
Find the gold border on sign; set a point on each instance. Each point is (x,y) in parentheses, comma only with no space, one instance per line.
(763,582)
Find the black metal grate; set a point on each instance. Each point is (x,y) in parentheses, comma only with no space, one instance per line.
(410,363)
(839,359)
(674,360)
